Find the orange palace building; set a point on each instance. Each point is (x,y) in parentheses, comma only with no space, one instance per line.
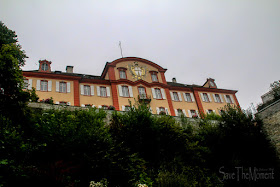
(127,79)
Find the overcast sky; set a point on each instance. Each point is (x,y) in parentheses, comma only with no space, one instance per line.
(236,42)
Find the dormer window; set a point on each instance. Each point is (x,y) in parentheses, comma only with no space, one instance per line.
(154,76)
(45,67)
(122,72)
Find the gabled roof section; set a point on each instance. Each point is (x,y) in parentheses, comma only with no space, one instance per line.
(160,69)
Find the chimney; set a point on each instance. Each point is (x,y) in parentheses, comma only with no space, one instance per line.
(69,69)
(174,80)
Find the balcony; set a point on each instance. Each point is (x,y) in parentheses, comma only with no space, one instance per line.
(143,98)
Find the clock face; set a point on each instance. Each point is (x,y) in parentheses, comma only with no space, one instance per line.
(138,72)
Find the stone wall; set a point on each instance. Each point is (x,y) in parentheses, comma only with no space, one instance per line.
(271,118)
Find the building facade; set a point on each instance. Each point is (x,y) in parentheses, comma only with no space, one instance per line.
(128,79)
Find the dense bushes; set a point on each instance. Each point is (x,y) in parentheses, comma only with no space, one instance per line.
(72,148)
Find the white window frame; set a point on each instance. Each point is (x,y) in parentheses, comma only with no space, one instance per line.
(142,94)
(217,98)
(154,77)
(45,67)
(125,91)
(176,96)
(61,85)
(158,93)
(103,91)
(44,87)
(87,90)
(205,97)
(122,74)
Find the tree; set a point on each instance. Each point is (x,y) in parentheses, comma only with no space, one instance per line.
(12,58)
(275,88)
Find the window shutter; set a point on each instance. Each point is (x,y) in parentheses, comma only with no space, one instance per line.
(180,97)
(68,85)
(68,103)
(207,112)
(214,111)
(184,112)
(154,93)
(49,86)
(221,98)
(82,89)
(190,114)
(163,93)
(209,96)
(98,90)
(57,86)
(166,111)
(82,105)
(172,96)
(120,91)
(108,91)
(184,94)
(232,100)
(214,98)
(123,108)
(38,86)
(176,112)
(130,91)
(91,90)
(151,110)
(192,97)
(157,110)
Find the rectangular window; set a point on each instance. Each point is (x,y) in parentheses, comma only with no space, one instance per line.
(142,92)
(86,90)
(161,109)
(176,97)
(228,99)
(122,74)
(154,77)
(125,91)
(206,98)
(180,112)
(62,87)
(158,93)
(127,108)
(209,111)
(218,99)
(103,91)
(188,97)
(194,114)
(44,86)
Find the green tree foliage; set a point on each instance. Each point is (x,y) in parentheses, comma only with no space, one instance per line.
(239,140)
(275,88)
(12,58)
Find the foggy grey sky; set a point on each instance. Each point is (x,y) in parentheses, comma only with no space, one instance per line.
(236,42)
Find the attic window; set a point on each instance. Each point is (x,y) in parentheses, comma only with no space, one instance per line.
(45,67)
